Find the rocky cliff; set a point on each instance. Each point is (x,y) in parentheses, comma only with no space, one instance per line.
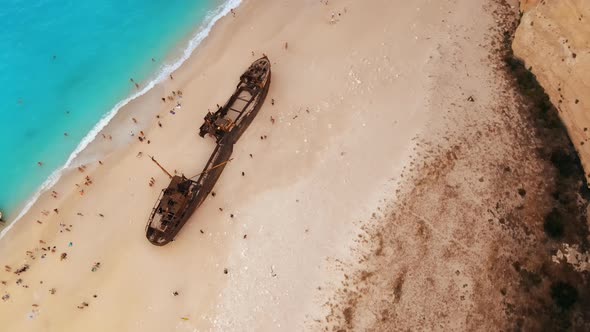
(553,40)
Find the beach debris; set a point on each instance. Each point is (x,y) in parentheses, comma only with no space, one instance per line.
(56,211)
(245,236)
(3,282)
(272,101)
(175,293)
(184,318)
(63,256)
(19,281)
(7,268)
(101,215)
(30,254)
(95,267)
(225,271)
(286,45)
(40,163)
(5,297)
(470,99)
(152,182)
(52,291)
(24,268)
(202,232)
(272,120)
(243,174)
(272,271)
(83,305)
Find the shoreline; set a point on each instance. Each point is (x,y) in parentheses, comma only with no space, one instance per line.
(106,122)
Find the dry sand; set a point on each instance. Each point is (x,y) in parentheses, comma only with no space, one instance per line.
(360,85)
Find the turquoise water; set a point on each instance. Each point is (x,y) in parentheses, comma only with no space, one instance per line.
(64,64)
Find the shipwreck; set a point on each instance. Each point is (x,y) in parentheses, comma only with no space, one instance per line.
(183,196)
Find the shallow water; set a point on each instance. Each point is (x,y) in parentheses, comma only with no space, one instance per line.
(64,64)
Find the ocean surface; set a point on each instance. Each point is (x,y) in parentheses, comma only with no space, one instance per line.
(65,69)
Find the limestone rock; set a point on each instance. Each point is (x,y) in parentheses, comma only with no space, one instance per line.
(553,40)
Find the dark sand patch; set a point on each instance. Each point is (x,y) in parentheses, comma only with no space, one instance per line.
(494,192)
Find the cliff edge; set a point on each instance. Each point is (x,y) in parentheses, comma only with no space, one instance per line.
(553,40)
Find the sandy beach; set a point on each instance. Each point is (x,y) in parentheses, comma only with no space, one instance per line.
(365,94)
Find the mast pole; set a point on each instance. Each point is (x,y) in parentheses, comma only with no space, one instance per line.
(161,167)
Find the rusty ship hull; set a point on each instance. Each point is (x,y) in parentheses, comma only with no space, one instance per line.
(183,196)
